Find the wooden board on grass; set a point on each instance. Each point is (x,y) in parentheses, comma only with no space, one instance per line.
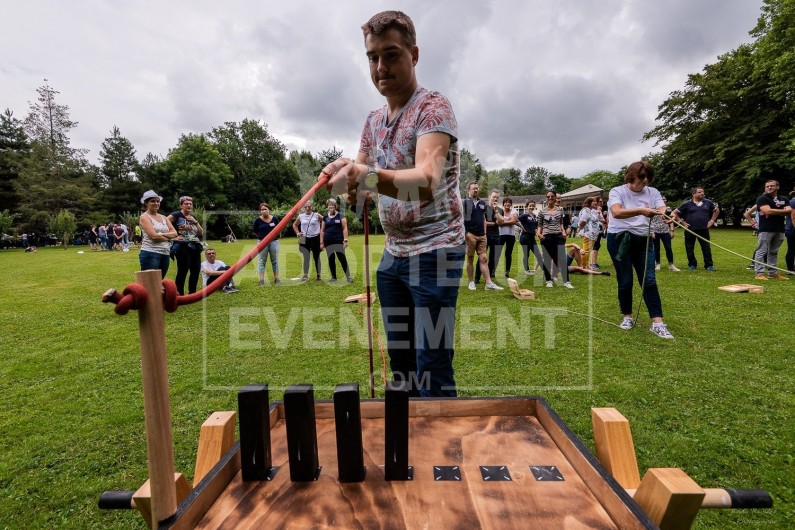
(360,298)
(520,294)
(742,288)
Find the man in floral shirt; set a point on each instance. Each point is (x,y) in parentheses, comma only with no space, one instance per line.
(409,155)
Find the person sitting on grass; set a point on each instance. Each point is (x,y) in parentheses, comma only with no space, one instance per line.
(574,261)
(213,268)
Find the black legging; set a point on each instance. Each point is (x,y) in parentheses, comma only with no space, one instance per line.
(188,261)
(507,241)
(312,245)
(528,244)
(336,248)
(554,248)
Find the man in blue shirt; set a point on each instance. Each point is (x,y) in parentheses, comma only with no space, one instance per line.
(698,215)
(475,227)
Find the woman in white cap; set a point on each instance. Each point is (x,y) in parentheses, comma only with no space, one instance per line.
(157,234)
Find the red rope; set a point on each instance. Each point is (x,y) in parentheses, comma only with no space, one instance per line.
(132,297)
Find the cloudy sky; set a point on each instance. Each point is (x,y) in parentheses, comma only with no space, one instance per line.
(570,85)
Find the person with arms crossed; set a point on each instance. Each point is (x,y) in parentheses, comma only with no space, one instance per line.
(773,208)
(409,155)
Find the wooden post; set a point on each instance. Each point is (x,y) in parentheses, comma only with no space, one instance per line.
(216,437)
(157,408)
(614,447)
(670,498)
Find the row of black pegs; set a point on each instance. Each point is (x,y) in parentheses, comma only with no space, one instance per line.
(299,417)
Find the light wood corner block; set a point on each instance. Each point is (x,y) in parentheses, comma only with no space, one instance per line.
(614,446)
(143,497)
(216,437)
(670,498)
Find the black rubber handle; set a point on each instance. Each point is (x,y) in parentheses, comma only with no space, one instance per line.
(116,500)
(750,498)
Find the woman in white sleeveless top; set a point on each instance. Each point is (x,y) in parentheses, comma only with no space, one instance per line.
(157,233)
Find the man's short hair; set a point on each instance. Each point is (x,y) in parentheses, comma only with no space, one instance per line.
(386,20)
(471,183)
(495,190)
(639,171)
(694,189)
(773,180)
(208,249)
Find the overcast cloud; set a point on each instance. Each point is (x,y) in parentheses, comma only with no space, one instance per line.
(570,85)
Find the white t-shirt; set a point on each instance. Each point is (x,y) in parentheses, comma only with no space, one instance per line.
(648,197)
(510,215)
(212,266)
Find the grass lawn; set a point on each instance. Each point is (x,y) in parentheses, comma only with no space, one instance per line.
(717,401)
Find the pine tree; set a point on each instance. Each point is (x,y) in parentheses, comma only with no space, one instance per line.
(14,147)
(55,176)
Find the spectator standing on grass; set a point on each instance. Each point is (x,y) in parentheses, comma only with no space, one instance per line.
(475,229)
(264,225)
(187,247)
(789,234)
(158,233)
(773,210)
(662,231)
(629,209)
(698,215)
(307,228)
(527,240)
(409,155)
(492,234)
(334,239)
(588,227)
(552,235)
(506,222)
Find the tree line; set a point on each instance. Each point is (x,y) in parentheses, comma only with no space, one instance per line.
(729,129)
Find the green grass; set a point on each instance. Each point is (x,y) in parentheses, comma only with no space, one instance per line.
(716,402)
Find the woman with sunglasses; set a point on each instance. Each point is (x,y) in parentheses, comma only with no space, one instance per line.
(552,234)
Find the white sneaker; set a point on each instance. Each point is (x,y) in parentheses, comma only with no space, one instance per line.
(472,286)
(661,331)
(657,267)
(493,287)
(627,323)
(529,272)
(568,285)
(673,268)
(549,284)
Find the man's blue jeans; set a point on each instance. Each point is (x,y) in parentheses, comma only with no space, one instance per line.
(418,298)
(639,256)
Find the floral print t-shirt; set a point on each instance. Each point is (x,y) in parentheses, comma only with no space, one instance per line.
(413,226)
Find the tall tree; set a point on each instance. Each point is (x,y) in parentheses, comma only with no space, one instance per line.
(117,160)
(471,169)
(196,168)
(732,126)
(55,176)
(537,180)
(14,147)
(118,171)
(257,162)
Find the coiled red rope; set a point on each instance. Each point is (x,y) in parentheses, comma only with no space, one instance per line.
(134,295)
